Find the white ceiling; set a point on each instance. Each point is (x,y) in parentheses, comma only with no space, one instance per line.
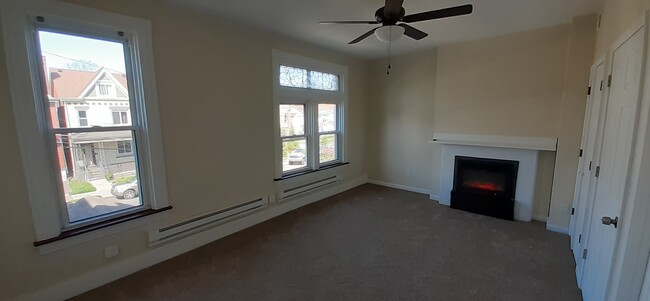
(299,19)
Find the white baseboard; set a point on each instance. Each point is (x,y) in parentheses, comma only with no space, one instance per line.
(398,186)
(434,197)
(558,229)
(101,276)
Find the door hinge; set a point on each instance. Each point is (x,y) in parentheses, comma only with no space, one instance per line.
(584,254)
(609,81)
(580,153)
(597,171)
(573,211)
(590,164)
(601,85)
(588,90)
(580,238)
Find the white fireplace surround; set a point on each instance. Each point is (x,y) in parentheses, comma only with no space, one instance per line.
(522,149)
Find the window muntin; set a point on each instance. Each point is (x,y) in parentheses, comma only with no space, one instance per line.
(308,79)
(101,165)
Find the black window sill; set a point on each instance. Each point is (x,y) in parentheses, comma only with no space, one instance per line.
(302,173)
(101,225)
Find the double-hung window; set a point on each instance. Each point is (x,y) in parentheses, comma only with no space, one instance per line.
(309,98)
(120,117)
(83,118)
(99,173)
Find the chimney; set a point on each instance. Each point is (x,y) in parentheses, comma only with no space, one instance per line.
(46,72)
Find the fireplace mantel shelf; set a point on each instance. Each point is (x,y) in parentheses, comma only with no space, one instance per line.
(529,143)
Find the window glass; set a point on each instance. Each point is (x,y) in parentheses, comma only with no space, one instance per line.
(327,148)
(293,77)
(292,120)
(323,81)
(294,154)
(309,79)
(80,72)
(103,182)
(83,118)
(99,167)
(326,117)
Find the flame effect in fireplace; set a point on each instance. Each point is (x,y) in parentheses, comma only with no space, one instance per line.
(483,186)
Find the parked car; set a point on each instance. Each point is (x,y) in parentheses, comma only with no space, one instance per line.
(127,190)
(297,156)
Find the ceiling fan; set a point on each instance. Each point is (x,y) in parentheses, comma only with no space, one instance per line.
(393,12)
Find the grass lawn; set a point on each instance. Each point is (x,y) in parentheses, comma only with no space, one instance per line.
(77,187)
(122,180)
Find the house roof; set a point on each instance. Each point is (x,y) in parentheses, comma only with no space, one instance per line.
(68,84)
(93,137)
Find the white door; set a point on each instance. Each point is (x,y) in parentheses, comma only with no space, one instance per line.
(617,144)
(586,181)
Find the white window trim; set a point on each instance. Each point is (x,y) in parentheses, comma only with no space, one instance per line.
(34,136)
(311,98)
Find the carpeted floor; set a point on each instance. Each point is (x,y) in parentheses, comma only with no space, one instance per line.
(369,243)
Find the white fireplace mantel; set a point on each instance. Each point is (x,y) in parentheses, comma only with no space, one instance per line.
(525,150)
(531,143)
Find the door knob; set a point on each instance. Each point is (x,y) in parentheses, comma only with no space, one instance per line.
(610,221)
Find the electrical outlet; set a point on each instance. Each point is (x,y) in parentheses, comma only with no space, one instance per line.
(111,251)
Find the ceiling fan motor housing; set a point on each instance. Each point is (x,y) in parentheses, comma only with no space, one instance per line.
(389,20)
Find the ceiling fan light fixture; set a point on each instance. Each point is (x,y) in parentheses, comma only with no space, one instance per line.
(389,33)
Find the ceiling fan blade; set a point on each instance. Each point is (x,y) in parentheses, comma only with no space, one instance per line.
(413,32)
(348,22)
(440,13)
(393,8)
(363,36)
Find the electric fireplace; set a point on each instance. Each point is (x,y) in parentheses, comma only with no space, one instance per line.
(485,186)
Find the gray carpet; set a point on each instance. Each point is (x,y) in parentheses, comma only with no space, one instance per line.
(369,243)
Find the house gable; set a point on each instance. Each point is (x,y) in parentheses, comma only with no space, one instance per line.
(110,81)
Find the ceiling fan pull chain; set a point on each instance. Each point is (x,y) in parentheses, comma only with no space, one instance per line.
(390,42)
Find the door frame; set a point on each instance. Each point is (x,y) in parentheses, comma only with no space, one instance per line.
(630,256)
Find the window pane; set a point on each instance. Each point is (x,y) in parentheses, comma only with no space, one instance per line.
(294,154)
(86,75)
(293,77)
(303,78)
(97,178)
(323,81)
(327,148)
(326,117)
(292,120)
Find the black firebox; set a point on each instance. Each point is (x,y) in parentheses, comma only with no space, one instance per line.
(485,186)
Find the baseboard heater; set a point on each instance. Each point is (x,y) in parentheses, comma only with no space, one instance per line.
(305,188)
(205,221)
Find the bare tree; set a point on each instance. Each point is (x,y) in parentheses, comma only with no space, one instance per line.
(83,65)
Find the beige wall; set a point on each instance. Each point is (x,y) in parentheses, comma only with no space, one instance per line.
(616,18)
(215,95)
(574,101)
(400,123)
(512,85)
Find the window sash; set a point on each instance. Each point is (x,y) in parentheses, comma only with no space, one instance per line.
(83,121)
(312,135)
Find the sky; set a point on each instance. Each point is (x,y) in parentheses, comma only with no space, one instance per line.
(62,49)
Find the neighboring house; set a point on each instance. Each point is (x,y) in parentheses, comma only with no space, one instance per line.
(91,99)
